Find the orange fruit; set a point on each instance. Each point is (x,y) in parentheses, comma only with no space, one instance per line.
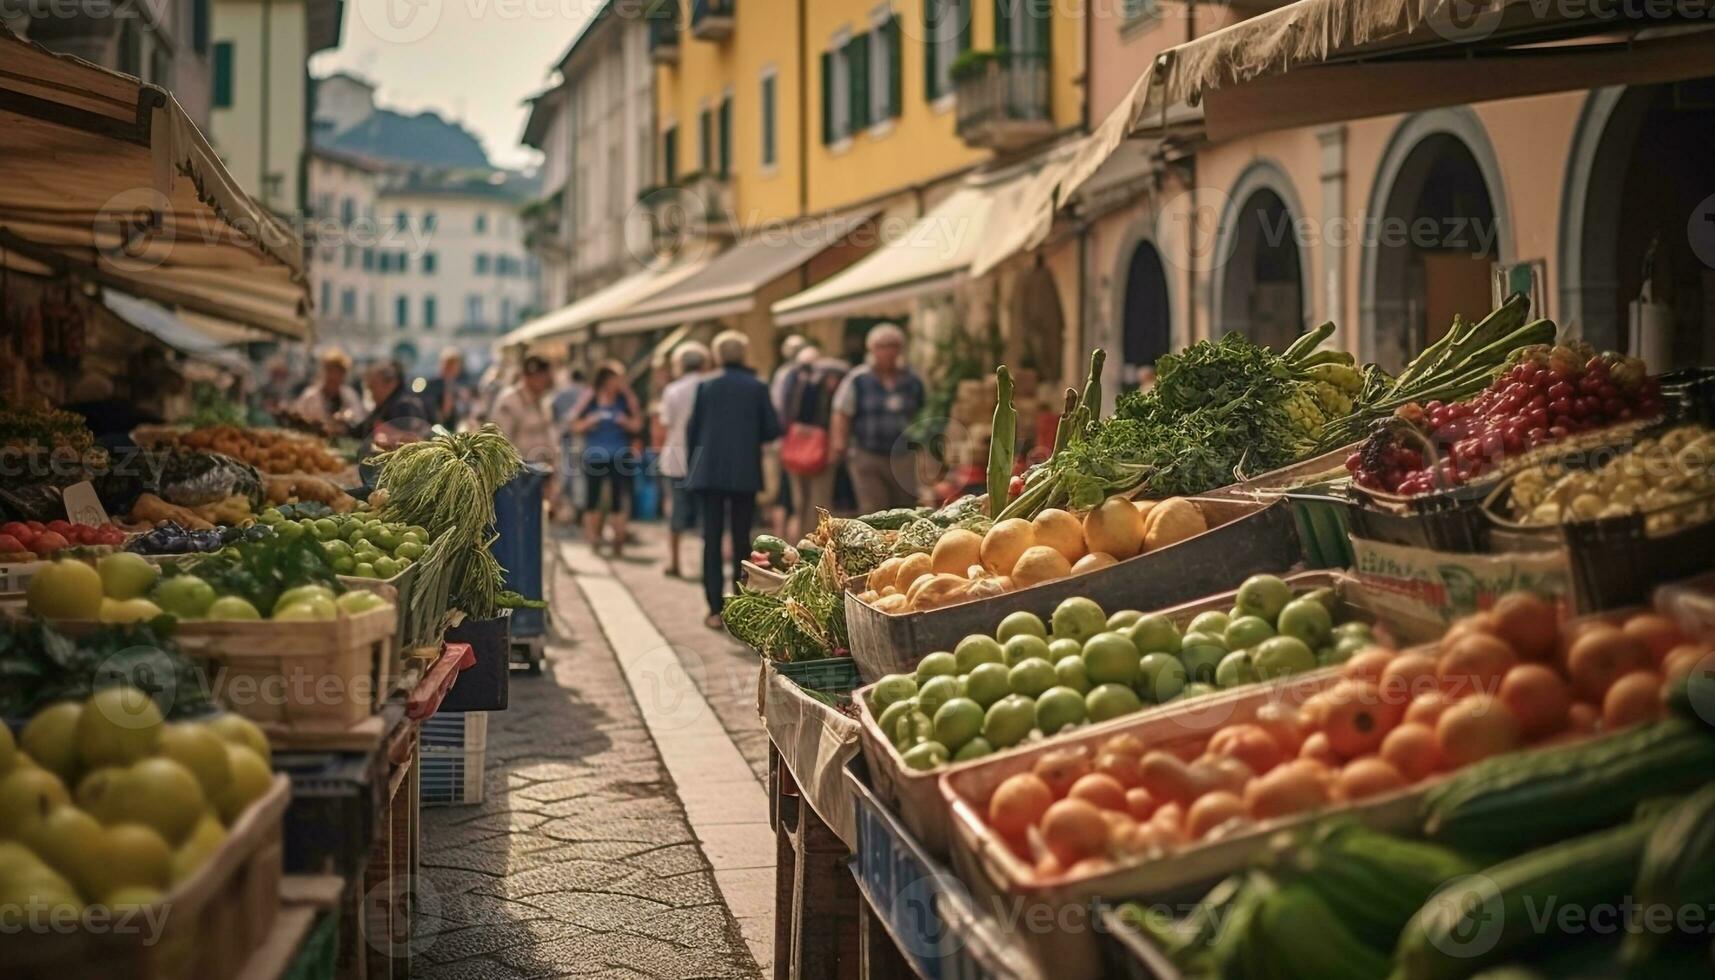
(1632,700)
(1476,728)
(1018,803)
(1073,830)
(1366,777)
(1538,698)
(1474,663)
(1099,789)
(1412,750)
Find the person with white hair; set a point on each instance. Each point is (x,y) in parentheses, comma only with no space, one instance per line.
(446,396)
(873,407)
(691,362)
(732,418)
(329,397)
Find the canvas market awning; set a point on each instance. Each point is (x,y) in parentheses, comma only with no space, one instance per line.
(729,284)
(934,255)
(577,320)
(107,180)
(171,329)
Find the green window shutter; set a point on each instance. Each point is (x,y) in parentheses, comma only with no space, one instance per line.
(1041,13)
(223,75)
(1002,24)
(962,10)
(857,63)
(705,141)
(670,154)
(827,97)
(726,136)
(895,68)
(932,13)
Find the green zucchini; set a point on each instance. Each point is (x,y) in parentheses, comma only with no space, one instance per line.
(1678,869)
(1523,800)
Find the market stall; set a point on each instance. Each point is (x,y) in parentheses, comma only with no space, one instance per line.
(225,655)
(1105,688)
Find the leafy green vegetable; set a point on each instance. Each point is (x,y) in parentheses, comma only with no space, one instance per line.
(258,571)
(39,666)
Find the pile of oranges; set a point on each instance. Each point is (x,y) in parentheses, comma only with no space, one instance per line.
(1509,678)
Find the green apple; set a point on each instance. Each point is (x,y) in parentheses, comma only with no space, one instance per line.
(1264,595)
(359,601)
(1078,618)
(184,596)
(936,691)
(1058,708)
(988,683)
(126,575)
(310,609)
(976,748)
(938,664)
(294,595)
(27,795)
(250,780)
(239,730)
(69,841)
(159,793)
(1059,650)
(1009,720)
(363,569)
(957,722)
(1161,677)
(50,738)
(231,607)
(1282,656)
(1069,672)
(1020,623)
(890,689)
(1195,638)
(1032,676)
(978,649)
(1214,621)
(1111,701)
(1202,661)
(203,843)
(409,550)
(888,719)
(1308,620)
(133,855)
(1235,670)
(925,756)
(128,611)
(200,750)
(1118,622)
(1246,632)
(1110,658)
(1024,647)
(1154,633)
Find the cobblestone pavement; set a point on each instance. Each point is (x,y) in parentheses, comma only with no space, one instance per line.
(580,861)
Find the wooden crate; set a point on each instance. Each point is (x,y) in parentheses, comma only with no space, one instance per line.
(1244,538)
(916,794)
(207,927)
(299,677)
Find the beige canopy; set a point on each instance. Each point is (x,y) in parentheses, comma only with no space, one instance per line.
(107,180)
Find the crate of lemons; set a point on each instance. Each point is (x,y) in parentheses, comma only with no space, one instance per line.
(1031,679)
(359,544)
(105,804)
(1017,553)
(126,588)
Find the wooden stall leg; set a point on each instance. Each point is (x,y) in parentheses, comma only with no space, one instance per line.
(824,915)
(879,957)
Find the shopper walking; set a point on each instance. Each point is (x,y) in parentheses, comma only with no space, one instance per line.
(673,414)
(569,503)
(804,452)
(609,420)
(781,513)
(872,409)
(732,418)
(521,414)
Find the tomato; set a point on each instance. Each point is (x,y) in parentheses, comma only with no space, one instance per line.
(50,542)
(35,526)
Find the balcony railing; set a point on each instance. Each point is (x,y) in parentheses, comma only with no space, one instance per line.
(712,20)
(1003,98)
(663,20)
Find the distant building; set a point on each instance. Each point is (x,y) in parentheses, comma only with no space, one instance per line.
(418,242)
(260,116)
(595,128)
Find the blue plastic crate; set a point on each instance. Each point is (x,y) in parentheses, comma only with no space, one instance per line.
(518,547)
(923,906)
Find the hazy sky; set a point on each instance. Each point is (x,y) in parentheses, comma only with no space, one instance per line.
(472,60)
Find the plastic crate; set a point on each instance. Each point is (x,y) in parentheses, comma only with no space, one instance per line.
(331,818)
(453,756)
(831,675)
(518,544)
(1449,520)
(922,905)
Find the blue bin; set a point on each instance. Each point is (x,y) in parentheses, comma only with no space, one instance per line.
(518,548)
(646,493)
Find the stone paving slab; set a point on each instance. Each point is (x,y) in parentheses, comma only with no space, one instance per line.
(580,861)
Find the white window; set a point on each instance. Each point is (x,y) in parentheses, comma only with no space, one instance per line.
(881,56)
(949,22)
(839,100)
(473,310)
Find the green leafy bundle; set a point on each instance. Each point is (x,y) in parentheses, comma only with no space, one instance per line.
(805,620)
(258,571)
(447,485)
(39,666)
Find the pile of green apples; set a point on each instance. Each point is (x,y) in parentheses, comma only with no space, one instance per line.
(356,544)
(1034,679)
(126,588)
(102,803)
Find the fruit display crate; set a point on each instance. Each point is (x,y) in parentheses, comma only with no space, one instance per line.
(216,919)
(1126,953)
(15,576)
(453,754)
(814,741)
(1243,538)
(335,801)
(997,876)
(917,794)
(925,910)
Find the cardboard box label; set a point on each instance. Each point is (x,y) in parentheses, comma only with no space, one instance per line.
(1434,588)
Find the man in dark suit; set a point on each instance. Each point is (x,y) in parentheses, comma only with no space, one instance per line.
(731,420)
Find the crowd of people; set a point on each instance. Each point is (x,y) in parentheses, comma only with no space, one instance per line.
(715,435)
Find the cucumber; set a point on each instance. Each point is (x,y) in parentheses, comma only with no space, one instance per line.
(1678,869)
(1522,800)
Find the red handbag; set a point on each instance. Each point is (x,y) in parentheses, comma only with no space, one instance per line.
(804,451)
